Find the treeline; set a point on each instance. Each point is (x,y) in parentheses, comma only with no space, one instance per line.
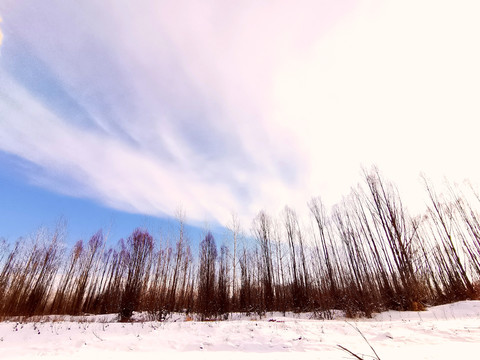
(366,255)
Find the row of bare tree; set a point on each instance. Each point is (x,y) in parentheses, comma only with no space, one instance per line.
(366,255)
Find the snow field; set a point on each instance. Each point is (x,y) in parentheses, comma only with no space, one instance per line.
(443,332)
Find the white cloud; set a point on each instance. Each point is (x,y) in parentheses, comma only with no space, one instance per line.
(1,34)
(394,85)
(98,166)
(221,107)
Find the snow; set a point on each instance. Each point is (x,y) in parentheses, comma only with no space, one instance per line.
(441,332)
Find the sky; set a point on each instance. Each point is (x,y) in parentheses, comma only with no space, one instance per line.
(120,112)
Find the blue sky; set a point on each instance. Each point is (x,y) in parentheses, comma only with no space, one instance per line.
(31,208)
(119,112)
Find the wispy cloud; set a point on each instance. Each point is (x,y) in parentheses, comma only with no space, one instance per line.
(1,34)
(221,107)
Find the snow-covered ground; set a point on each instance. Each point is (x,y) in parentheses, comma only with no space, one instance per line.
(443,332)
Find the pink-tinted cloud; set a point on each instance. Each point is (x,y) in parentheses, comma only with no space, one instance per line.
(1,34)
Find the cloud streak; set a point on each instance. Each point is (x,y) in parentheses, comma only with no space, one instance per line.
(1,34)
(219,107)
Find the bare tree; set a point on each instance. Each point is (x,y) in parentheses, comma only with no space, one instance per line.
(235,231)
(206,303)
(140,246)
(262,231)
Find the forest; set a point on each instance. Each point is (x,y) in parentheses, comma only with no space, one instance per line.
(364,255)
